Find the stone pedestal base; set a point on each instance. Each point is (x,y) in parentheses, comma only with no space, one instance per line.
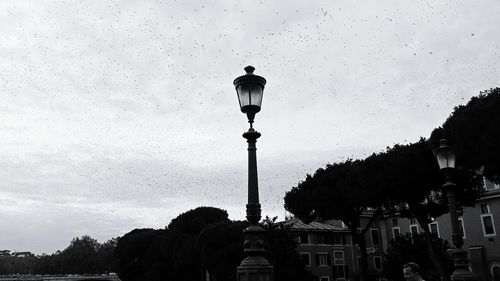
(255,268)
(462,272)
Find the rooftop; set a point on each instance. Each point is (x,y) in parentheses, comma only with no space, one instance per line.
(296,224)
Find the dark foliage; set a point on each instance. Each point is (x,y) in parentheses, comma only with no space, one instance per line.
(474,132)
(10,265)
(413,248)
(404,179)
(81,256)
(342,191)
(136,256)
(180,243)
(194,221)
(281,250)
(221,249)
(169,254)
(415,182)
(198,242)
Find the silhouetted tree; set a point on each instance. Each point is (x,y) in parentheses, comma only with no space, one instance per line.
(221,249)
(341,191)
(80,256)
(200,241)
(181,240)
(135,254)
(106,257)
(474,132)
(170,254)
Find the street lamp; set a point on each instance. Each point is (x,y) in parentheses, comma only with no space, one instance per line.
(255,267)
(446,160)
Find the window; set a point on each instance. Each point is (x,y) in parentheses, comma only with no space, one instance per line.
(461,228)
(339,271)
(434,228)
(339,267)
(304,238)
(358,230)
(489,185)
(321,239)
(375,237)
(306,258)
(358,261)
(377,262)
(324,278)
(323,259)
(338,257)
(331,239)
(487,221)
(485,209)
(338,239)
(488,227)
(396,232)
(395,222)
(414,229)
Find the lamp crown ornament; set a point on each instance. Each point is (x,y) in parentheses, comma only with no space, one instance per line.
(249,69)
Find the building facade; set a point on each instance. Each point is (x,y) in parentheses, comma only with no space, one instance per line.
(330,254)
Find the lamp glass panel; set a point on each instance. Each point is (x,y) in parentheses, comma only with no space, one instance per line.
(442,161)
(451,159)
(256,92)
(446,158)
(243,95)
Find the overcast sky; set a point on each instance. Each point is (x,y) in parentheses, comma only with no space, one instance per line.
(117,115)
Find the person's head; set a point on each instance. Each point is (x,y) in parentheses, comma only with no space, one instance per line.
(411,272)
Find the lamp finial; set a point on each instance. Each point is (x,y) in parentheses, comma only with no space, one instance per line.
(249,69)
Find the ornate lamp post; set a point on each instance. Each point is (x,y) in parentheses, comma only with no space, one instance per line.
(255,267)
(446,160)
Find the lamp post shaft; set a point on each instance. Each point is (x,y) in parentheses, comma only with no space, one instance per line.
(255,267)
(253,183)
(456,236)
(461,263)
(446,161)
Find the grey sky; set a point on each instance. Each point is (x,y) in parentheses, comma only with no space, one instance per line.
(122,114)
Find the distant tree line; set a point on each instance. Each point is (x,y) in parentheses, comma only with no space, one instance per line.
(84,255)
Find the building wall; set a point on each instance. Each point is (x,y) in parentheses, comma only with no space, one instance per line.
(483,247)
(317,246)
(350,254)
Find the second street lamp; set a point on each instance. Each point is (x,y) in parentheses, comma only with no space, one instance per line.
(255,267)
(446,160)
